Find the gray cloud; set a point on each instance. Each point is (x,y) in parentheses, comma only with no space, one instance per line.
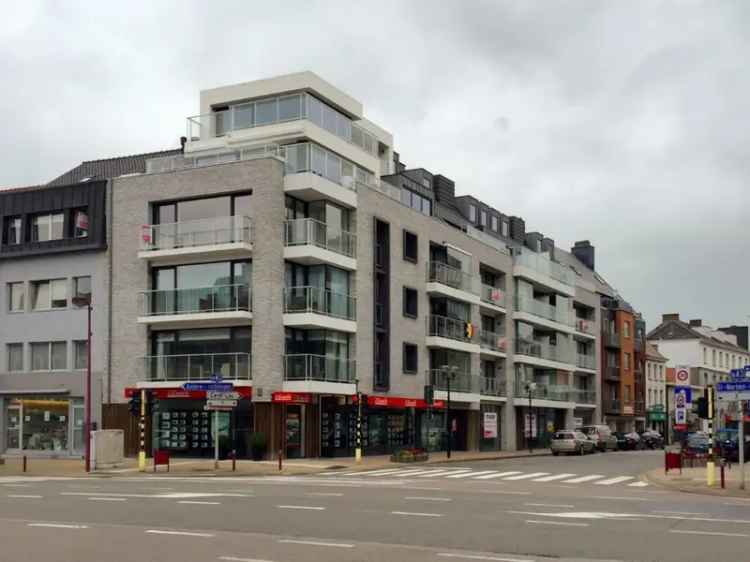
(620,122)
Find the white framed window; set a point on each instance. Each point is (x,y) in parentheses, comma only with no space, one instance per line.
(80,223)
(14,352)
(495,223)
(49,294)
(16,297)
(504,228)
(49,356)
(49,226)
(472,213)
(483,218)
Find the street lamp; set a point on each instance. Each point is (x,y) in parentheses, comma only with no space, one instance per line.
(81,301)
(530,388)
(358,436)
(448,372)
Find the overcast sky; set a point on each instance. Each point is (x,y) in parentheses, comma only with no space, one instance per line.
(624,123)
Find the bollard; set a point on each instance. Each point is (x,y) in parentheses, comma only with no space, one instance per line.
(280,459)
(24,463)
(234,461)
(722,474)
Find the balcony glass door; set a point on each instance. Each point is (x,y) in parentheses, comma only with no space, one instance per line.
(77,429)
(13,428)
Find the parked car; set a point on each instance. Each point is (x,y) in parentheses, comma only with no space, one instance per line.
(652,439)
(571,441)
(696,444)
(601,435)
(726,445)
(628,441)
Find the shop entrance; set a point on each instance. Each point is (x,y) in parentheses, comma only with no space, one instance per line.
(13,428)
(295,448)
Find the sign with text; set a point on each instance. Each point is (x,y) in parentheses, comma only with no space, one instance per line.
(682,395)
(733,390)
(490,425)
(214,395)
(209,386)
(530,426)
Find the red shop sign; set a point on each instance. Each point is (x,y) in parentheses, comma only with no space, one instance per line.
(399,402)
(177,392)
(292,397)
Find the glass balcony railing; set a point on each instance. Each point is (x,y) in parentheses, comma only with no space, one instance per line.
(450,328)
(201,300)
(545,266)
(493,340)
(582,396)
(196,367)
(586,361)
(585,325)
(178,162)
(310,157)
(493,295)
(491,386)
(611,339)
(542,391)
(196,233)
(300,232)
(321,368)
(612,372)
(543,310)
(452,277)
(542,350)
(459,381)
(308,299)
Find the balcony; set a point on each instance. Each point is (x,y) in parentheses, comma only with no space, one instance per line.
(305,372)
(217,238)
(452,282)
(463,385)
(450,333)
(493,298)
(543,314)
(611,339)
(493,343)
(544,355)
(542,391)
(583,396)
(540,269)
(491,386)
(612,372)
(317,307)
(179,162)
(311,242)
(218,305)
(197,367)
(611,405)
(584,361)
(585,326)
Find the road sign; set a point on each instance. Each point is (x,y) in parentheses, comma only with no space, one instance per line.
(221,403)
(682,375)
(209,386)
(213,395)
(733,390)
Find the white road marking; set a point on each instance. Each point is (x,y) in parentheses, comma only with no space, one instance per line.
(710,533)
(616,480)
(584,479)
(445,472)
(467,474)
(97,499)
(404,473)
(25,496)
(679,512)
(416,514)
(191,502)
(428,499)
(316,543)
(498,475)
(626,498)
(423,472)
(560,523)
(235,559)
(526,476)
(638,484)
(18,485)
(308,507)
(507,492)
(481,557)
(564,505)
(58,526)
(371,472)
(179,533)
(552,478)
(326,494)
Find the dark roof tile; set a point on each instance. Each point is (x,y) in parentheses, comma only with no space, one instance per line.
(109,167)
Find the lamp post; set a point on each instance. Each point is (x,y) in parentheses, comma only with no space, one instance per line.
(448,372)
(82,301)
(358,436)
(530,388)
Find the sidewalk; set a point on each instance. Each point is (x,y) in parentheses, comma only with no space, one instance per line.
(205,467)
(693,480)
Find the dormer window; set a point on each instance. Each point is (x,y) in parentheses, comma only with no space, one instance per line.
(13,232)
(48,226)
(80,223)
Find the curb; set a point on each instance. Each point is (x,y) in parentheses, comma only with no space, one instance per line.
(715,492)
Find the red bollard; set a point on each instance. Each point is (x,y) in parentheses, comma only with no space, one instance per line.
(24,463)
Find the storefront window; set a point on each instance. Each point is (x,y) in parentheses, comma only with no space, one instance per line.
(38,424)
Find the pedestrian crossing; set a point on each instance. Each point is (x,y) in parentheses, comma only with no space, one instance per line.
(468,474)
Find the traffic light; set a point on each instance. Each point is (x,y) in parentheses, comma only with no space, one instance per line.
(702,405)
(429,394)
(135,404)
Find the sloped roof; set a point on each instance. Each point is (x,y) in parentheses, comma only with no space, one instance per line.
(109,167)
(652,354)
(674,329)
(592,277)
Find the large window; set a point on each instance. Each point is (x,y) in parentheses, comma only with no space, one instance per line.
(411,247)
(80,223)
(410,360)
(80,354)
(16,297)
(15,356)
(46,295)
(416,201)
(47,227)
(12,233)
(49,356)
(411,302)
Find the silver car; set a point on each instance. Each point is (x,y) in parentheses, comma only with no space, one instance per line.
(570,441)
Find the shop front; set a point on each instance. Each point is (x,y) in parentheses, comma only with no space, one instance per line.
(536,427)
(43,425)
(490,437)
(656,417)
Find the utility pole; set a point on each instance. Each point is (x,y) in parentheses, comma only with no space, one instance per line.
(530,387)
(741,443)
(358,436)
(85,300)
(710,466)
(142,428)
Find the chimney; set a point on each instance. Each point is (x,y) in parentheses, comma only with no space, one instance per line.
(668,317)
(534,241)
(584,251)
(696,323)
(548,245)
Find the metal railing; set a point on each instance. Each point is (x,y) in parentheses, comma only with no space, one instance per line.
(459,381)
(585,325)
(612,372)
(179,162)
(543,350)
(582,396)
(542,391)
(543,310)
(611,339)
(300,232)
(450,328)
(491,386)
(194,233)
(613,405)
(195,367)
(542,264)
(322,368)
(586,361)
(319,300)
(447,275)
(493,295)
(493,340)
(216,298)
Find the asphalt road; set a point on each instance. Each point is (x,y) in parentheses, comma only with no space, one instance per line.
(539,509)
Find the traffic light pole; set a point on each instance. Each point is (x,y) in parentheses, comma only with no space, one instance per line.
(741,443)
(142,428)
(448,424)
(710,466)
(358,449)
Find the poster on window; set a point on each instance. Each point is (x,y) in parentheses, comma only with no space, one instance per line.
(490,425)
(530,426)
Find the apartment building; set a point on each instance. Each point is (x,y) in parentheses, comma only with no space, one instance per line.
(656,389)
(287,249)
(52,259)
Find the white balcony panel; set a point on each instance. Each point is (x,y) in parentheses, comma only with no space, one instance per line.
(544,363)
(490,398)
(314,320)
(320,387)
(198,320)
(584,336)
(488,352)
(584,405)
(586,370)
(543,280)
(458,294)
(468,397)
(312,187)
(448,343)
(541,403)
(219,252)
(544,322)
(309,254)
(492,307)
